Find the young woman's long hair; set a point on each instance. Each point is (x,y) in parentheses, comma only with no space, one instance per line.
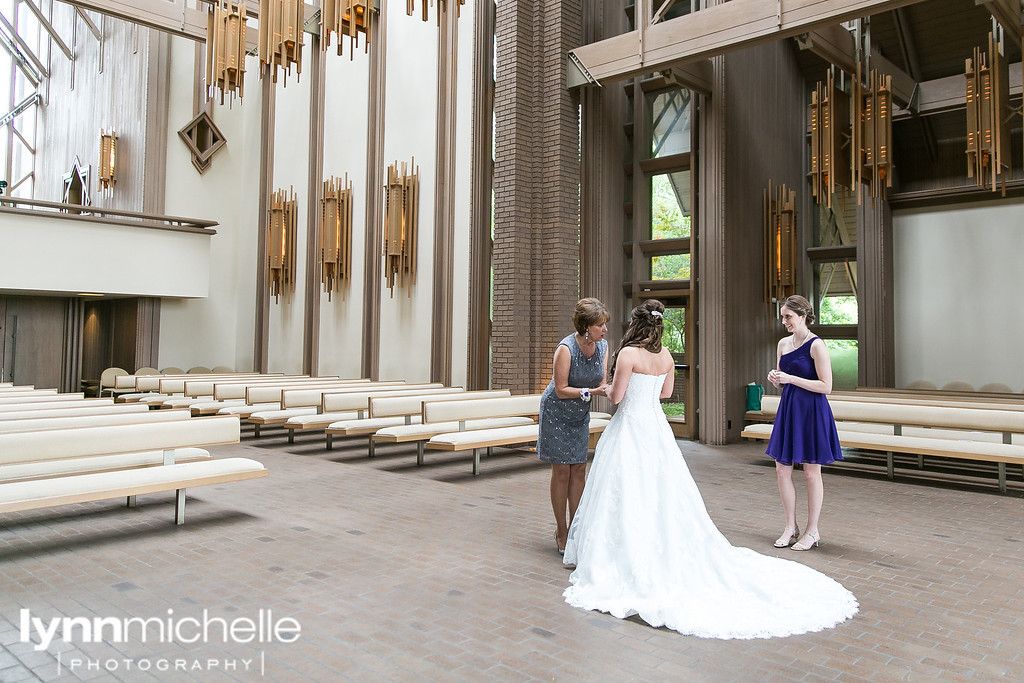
(646,325)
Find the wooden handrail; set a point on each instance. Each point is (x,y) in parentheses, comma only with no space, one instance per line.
(10,204)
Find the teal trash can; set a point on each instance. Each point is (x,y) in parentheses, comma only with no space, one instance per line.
(754,394)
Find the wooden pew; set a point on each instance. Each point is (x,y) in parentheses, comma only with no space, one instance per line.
(934,431)
(88,442)
(488,408)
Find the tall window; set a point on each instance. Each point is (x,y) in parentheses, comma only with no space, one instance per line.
(833,258)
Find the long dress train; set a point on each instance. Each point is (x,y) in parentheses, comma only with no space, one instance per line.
(643,543)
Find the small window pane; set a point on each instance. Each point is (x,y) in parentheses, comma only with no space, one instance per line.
(843,353)
(670,122)
(836,289)
(670,205)
(670,267)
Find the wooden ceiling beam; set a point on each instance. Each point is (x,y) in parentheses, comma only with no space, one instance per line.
(1007,13)
(710,32)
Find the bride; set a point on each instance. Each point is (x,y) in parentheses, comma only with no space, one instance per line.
(642,540)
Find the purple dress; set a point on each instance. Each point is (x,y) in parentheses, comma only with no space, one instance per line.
(804,430)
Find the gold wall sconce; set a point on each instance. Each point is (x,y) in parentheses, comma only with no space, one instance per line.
(401,214)
(336,237)
(281,229)
(225,49)
(346,18)
(280,43)
(107,172)
(830,157)
(780,260)
(872,134)
(988,131)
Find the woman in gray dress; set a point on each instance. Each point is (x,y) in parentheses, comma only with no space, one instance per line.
(578,374)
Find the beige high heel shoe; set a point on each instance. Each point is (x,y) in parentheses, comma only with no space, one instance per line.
(809,540)
(788,534)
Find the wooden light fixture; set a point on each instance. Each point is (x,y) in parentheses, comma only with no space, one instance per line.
(336,224)
(225,49)
(346,18)
(442,5)
(107,171)
(401,204)
(872,134)
(780,242)
(988,133)
(830,119)
(280,43)
(281,242)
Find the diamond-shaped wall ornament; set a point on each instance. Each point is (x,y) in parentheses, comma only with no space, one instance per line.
(203,139)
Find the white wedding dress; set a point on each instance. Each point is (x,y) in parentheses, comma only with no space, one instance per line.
(643,543)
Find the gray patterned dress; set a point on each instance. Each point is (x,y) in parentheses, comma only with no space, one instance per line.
(565,422)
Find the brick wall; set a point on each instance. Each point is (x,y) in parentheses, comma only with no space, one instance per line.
(536,187)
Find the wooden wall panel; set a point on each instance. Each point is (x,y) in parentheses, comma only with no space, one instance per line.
(105,87)
(765,114)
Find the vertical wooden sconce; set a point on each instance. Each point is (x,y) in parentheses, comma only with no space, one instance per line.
(346,18)
(336,224)
(107,171)
(225,49)
(872,134)
(988,133)
(281,243)
(780,242)
(442,5)
(830,119)
(401,214)
(280,43)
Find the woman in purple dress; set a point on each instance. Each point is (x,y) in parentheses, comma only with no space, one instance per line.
(804,431)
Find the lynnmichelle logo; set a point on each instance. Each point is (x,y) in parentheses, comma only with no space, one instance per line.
(264,629)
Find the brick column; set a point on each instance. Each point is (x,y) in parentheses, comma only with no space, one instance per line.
(536,182)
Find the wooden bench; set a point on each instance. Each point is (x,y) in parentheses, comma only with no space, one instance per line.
(462,412)
(267,394)
(56,405)
(128,390)
(201,390)
(414,431)
(36,424)
(43,447)
(934,431)
(41,397)
(397,409)
(336,407)
(72,410)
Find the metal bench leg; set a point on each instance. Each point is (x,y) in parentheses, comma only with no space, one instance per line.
(1002,477)
(920,462)
(179,506)
(419,453)
(888,464)
(476,461)
(330,441)
(132,502)
(291,436)
(256,431)
(372,453)
(490,451)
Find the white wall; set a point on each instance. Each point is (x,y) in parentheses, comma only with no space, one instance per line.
(410,134)
(217,330)
(291,171)
(345,138)
(221,328)
(958,284)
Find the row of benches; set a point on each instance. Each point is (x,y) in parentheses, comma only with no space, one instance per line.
(984,431)
(388,412)
(91,449)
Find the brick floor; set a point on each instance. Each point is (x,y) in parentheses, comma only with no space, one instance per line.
(396,572)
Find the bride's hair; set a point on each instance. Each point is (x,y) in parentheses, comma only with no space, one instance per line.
(646,324)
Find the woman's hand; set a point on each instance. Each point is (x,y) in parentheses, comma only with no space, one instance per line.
(777,377)
(601,390)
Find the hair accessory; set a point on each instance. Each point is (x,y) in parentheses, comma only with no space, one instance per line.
(657,314)
(585,395)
